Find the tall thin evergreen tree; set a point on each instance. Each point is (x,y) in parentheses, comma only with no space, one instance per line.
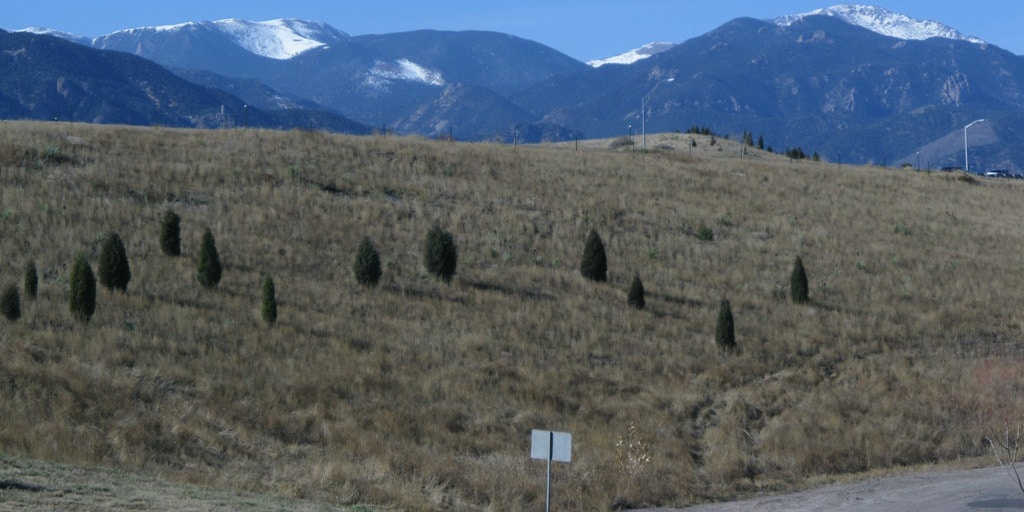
(440,255)
(269,308)
(366,266)
(636,294)
(208,270)
(10,303)
(31,280)
(114,272)
(82,297)
(798,290)
(725,332)
(170,233)
(595,263)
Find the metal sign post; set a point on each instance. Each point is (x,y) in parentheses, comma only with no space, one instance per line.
(549,446)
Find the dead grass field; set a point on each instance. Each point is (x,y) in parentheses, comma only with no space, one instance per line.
(421,396)
(35,485)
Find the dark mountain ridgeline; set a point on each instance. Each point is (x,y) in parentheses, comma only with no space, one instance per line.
(503,63)
(820,83)
(49,78)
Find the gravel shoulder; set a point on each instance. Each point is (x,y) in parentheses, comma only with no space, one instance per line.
(984,490)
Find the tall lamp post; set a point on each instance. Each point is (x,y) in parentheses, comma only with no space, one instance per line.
(967,168)
(643,110)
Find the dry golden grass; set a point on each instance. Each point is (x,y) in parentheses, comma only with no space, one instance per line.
(421,396)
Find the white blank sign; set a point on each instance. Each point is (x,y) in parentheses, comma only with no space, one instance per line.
(549,445)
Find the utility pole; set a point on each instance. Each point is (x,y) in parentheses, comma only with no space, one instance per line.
(967,168)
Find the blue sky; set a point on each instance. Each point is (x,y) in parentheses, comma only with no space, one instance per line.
(584,29)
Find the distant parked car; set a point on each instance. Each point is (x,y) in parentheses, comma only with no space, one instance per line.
(997,173)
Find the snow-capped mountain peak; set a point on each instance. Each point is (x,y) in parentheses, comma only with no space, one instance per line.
(632,56)
(276,39)
(279,39)
(883,22)
(57,33)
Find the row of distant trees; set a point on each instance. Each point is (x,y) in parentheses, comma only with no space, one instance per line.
(796,153)
(440,258)
(595,267)
(114,271)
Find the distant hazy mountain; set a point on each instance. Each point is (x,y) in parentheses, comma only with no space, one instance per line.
(45,77)
(500,62)
(852,82)
(381,80)
(75,38)
(819,83)
(275,39)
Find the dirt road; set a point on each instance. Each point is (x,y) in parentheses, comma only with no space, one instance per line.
(982,490)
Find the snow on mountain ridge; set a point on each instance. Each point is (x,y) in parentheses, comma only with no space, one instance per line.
(275,39)
(57,33)
(632,56)
(383,73)
(882,21)
(279,39)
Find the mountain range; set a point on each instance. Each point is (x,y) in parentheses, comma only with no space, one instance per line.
(49,78)
(852,82)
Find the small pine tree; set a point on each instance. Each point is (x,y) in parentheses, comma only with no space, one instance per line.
(31,280)
(760,142)
(595,262)
(114,272)
(636,294)
(10,303)
(366,267)
(170,233)
(798,283)
(209,269)
(82,299)
(705,233)
(269,300)
(440,255)
(725,333)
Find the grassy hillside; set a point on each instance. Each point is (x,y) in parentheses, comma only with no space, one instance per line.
(421,395)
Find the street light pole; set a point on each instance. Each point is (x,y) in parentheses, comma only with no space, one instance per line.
(967,168)
(643,110)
